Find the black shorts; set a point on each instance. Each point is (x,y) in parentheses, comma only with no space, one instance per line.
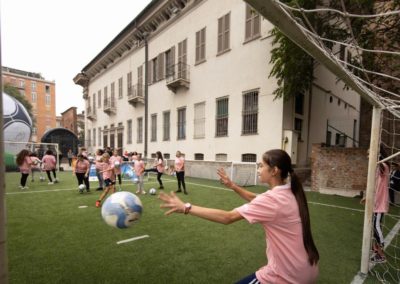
(109,182)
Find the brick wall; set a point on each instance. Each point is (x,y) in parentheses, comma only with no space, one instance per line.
(340,171)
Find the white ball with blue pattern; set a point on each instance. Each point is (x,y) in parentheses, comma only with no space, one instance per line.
(122,209)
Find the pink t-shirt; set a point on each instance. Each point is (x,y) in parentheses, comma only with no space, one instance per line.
(139,167)
(25,168)
(110,173)
(82,166)
(382,192)
(35,162)
(180,164)
(160,165)
(114,159)
(278,212)
(49,162)
(98,162)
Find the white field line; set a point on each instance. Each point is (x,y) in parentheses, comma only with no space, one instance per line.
(132,239)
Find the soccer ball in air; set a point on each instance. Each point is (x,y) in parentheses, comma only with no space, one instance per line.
(82,187)
(152,191)
(17,127)
(121,209)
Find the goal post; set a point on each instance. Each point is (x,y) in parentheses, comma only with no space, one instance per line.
(12,148)
(244,173)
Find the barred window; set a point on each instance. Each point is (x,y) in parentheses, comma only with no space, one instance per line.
(167,156)
(199,156)
(153,127)
(252,23)
(249,157)
(250,113)
(221,123)
(181,123)
(139,130)
(221,157)
(166,125)
(199,120)
(223,33)
(129,132)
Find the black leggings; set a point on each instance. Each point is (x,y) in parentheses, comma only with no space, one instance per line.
(49,176)
(158,174)
(119,179)
(180,176)
(24,177)
(82,179)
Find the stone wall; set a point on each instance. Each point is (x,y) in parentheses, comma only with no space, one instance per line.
(341,171)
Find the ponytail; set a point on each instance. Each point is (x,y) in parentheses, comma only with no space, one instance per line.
(308,241)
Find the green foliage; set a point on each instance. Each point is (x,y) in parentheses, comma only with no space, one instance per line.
(14,92)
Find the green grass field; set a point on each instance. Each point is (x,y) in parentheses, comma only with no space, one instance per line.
(51,240)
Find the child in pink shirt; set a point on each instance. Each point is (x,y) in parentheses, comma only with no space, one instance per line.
(158,167)
(116,160)
(49,165)
(107,170)
(179,168)
(25,163)
(283,213)
(139,171)
(81,170)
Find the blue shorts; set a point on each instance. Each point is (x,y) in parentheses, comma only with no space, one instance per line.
(109,182)
(250,279)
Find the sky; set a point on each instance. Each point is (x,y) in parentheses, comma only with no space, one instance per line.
(59,38)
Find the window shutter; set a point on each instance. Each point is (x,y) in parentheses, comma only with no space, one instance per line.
(220,32)
(149,72)
(161,66)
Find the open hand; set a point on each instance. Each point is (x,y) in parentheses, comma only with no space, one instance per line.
(224,179)
(172,202)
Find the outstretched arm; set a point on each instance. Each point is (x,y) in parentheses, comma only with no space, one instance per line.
(243,193)
(175,205)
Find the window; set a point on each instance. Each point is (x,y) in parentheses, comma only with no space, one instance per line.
(99,99)
(167,156)
(252,158)
(106,100)
(199,120)
(112,90)
(34,130)
(105,137)
(166,125)
(99,136)
(199,156)
(129,84)
(153,127)
(33,86)
(181,123)
(22,84)
(182,52)
(139,130)
(340,140)
(250,113)
(170,61)
(22,92)
(47,87)
(129,131)
(120,94)
(47,99)
(221,123)
(252,24)
(89,136)
(34,97)
(94,136)
(201,45)
(223,33)
(221,157)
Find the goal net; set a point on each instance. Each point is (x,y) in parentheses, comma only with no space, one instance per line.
(244,174)
(12,148)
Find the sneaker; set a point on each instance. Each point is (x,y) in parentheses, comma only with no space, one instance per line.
(137,191)
(20,187)
(25,187)
(98,203)
(161,187)
(376,258)
(51,182)
(87,190)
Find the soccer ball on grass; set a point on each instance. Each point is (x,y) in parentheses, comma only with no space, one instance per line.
(82,187)
(152,191)
(121,209)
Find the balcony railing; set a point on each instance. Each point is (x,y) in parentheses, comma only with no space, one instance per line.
(136,95)
(178,76)
(91,113)
(109,106)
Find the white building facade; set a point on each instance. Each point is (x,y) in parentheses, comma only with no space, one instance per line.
(208,90)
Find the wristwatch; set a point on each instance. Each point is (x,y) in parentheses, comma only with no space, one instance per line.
(188,206)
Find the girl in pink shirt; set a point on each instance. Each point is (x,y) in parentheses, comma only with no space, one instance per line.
(36,166)
(25,163)
(283,213)
(139,171)
(98,162)
(49,165)
(179,168)
(107,170)
(116,160)
(81,170)
(158,167)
